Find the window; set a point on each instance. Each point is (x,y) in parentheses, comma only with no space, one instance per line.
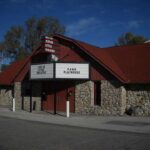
(97,93)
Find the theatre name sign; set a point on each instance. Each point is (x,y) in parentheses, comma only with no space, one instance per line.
(60,71)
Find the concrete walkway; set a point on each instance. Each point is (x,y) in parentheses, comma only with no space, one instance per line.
(114,123)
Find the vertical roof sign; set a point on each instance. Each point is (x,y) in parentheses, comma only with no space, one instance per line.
(48,43)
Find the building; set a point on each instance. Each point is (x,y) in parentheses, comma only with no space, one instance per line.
(96,81)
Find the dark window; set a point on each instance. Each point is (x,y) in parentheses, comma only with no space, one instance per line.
(97,93)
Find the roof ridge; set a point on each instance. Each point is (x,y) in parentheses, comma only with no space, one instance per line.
(121,46)
(74,40)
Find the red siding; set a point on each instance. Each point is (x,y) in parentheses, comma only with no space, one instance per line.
(23,72)
(69,55)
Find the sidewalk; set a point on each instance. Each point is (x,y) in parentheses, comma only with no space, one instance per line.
(124,123)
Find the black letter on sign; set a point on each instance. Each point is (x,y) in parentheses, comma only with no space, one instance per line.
(41,70)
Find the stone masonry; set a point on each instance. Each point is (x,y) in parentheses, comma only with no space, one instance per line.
(113,98)
(113,102)
(6,97)
(84,97)
(138,99)
(36,96)
(17,95)
(116,99)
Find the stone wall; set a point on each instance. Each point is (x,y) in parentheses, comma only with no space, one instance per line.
(113,98)
(116,99)
(22,98)
(138,99)
(6,96)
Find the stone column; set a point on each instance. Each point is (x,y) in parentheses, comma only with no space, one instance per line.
(111,97)
(123,100)
(84,96)
(17,95)
(92,92)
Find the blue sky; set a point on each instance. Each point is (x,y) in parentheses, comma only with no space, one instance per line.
(98,22)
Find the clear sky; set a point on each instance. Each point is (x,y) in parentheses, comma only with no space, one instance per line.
(98,22)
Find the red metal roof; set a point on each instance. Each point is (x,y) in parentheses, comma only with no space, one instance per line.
(130,64)
(17,70)
(8,75)
(134,61)
(101,56)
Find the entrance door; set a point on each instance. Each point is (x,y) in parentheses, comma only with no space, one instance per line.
(57,91)
(47,98)
(62,91)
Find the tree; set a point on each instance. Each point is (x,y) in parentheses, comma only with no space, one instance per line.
(20,41)
(130,39)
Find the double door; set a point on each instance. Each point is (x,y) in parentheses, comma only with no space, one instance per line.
(56,95)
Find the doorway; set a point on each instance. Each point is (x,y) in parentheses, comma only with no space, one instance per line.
(56,93)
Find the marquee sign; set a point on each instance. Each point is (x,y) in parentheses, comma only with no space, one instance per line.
(60,71)
(42,71)
(72,71)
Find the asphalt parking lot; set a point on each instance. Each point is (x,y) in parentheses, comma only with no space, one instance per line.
(16,134)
